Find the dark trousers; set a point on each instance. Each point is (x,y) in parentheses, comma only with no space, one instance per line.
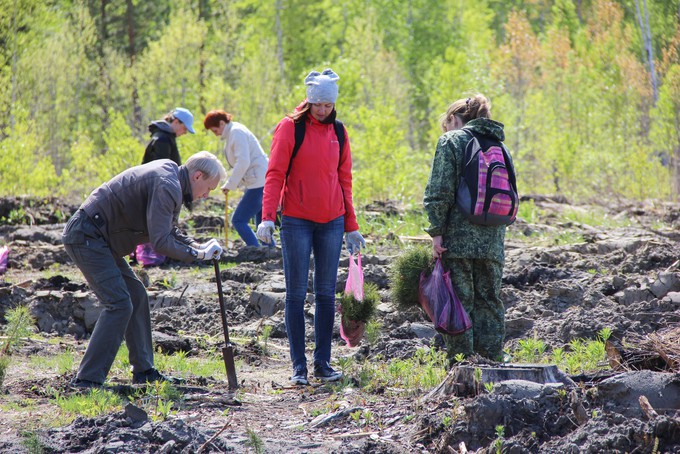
(477,283)
(126,303)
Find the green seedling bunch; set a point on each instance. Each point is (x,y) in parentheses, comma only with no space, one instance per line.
(405,276)
(361,311)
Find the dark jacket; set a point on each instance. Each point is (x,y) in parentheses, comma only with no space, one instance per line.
(462,238)
(142,205)
(163,144)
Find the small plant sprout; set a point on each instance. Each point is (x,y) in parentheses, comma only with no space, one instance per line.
(18,326)
(489,387)
(498,443)
(447,420)
(459,357)
(254,441)
(373,328)
(604,334)
(266,334)
(368,417)
(345,363)
(356,417)
(478,380)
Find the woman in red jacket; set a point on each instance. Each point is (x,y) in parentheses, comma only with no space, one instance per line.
(313,187)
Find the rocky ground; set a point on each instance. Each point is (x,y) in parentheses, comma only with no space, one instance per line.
(624,278)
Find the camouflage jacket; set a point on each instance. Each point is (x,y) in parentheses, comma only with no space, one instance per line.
(460,237)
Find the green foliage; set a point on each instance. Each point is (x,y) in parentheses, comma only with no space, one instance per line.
(254,441)
(373,328)
(158,399)
(405,276)
(18,326)
(93,403)
(4,364)
(360,311)
(424,370)
(579,356)
(31,441)
(80,81)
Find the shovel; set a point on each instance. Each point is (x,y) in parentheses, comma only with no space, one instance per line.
(226,220)
(228,349)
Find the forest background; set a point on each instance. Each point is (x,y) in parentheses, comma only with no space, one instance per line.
(589,90)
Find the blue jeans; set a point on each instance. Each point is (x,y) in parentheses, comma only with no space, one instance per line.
(249,207)
(299,238)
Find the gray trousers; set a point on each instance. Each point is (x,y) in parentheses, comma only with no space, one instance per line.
(124,297)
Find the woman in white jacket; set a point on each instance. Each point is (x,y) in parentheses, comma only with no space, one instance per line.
(245,156)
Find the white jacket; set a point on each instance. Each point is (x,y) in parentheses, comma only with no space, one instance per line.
(244,154)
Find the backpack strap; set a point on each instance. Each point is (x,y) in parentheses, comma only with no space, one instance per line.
(340,134)
(300,137)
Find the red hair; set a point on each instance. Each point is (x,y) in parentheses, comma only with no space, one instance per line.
(213,118)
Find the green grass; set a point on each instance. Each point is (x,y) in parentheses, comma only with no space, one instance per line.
(389,228)
(93,403)
(595,217)
(63,362)
(580,355)
(424,370)
(529,212)
(31,441)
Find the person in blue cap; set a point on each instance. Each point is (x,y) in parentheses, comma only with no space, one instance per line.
(163,144)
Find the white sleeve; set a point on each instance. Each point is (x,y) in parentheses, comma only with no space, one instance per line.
(238,142)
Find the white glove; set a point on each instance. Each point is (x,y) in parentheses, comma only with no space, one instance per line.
(265,232)
(212,251)
(207,244)
(354,241)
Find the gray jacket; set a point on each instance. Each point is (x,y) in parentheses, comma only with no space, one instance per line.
(142,205)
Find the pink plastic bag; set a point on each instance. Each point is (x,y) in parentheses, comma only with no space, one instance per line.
(353,330)
(4,258)
(355,279)
(146,256)
(440,303)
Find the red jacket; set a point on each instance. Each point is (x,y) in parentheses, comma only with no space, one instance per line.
(318,189)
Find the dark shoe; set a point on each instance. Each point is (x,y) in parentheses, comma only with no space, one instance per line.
(84,384)
(152,375)
(325,373)
(299,377)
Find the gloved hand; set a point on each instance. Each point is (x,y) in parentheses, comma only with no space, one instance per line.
(265,232)
(207,244)
(212,251)
(354,241)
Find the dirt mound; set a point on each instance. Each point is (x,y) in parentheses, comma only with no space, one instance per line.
(624,278)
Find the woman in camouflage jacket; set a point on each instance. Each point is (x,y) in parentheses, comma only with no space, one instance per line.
(473,253)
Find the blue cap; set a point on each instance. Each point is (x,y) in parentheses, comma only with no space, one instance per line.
(185,117)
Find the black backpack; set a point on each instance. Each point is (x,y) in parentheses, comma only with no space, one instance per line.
(300,137)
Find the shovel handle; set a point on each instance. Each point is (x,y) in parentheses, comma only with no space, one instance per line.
(220,294)
(228,349)
(226,220)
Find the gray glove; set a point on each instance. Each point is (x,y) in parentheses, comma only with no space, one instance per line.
(354,241)
(265,232)
(212,251)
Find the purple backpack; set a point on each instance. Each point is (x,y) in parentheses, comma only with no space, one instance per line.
(487,193)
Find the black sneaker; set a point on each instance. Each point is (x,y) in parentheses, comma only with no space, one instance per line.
(152,375)
(299,376)
(325,373)
(84,384)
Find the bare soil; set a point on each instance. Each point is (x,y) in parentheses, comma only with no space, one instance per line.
(623,278)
